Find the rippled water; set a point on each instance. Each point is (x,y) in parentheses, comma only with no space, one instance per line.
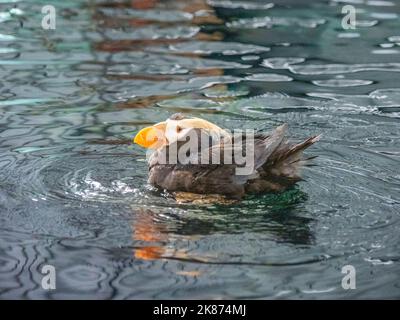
(73,189)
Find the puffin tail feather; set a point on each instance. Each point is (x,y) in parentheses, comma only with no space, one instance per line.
(286,162)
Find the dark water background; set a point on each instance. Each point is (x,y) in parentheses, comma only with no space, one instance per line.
(73,190)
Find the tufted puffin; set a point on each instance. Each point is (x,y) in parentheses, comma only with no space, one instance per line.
(192,155)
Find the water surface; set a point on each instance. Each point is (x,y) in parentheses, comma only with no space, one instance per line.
(73,189)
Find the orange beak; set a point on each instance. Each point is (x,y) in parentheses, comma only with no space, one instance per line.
(151,137)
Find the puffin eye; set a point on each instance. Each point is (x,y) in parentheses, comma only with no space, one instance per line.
(178,129)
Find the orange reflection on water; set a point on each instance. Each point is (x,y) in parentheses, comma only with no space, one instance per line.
(145,229)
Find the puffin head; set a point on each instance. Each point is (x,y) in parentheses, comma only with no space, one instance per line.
(176,128)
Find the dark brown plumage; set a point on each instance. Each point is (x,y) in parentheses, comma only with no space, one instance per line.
(277,165)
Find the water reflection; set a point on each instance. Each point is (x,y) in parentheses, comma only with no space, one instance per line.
(275,217)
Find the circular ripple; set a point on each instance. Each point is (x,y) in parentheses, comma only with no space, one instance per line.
(82,178)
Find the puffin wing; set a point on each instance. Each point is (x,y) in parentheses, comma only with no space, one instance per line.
(254,151)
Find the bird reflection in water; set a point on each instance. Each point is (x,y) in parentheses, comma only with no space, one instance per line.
(157,233)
